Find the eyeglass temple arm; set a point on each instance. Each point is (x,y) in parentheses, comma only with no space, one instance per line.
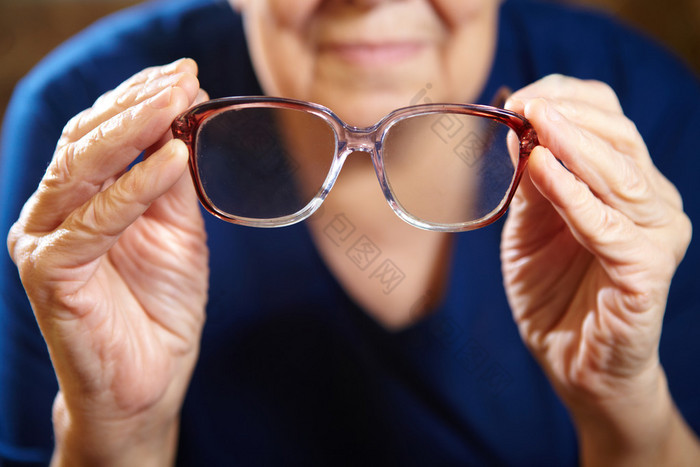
(499,99)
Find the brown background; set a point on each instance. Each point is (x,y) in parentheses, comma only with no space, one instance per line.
(29,29)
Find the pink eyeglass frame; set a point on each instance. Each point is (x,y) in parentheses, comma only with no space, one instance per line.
(351,139)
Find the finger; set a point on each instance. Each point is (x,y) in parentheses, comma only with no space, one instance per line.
(614,177)
(140,87)
(555,87)
(80,169)
(613,127)
(616,129)
(89,232)
(623,249)
(182,197)
(202,96)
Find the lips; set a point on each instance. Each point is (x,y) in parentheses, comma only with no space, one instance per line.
(374,53)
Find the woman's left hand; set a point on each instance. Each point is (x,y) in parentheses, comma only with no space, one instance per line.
(592,240)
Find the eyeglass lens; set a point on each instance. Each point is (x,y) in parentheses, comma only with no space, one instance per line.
(441,168)
(249,160)
(448,168)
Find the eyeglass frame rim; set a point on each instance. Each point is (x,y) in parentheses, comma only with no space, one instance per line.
(186,128)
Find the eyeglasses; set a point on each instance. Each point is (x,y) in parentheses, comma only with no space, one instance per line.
(270,162)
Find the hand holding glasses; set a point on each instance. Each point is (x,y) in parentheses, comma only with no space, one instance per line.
(270,162)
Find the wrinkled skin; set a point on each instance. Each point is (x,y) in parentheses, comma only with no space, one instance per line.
(588,253)
(115,262)
(115,266)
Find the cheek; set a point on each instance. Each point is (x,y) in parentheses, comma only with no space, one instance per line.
(295,13)
(278,46)
(456,12)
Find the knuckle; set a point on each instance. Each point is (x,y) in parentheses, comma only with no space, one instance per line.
(629,128)
(97,218)
(684,236)
(107,135)
(668,190)
(111,103)
(581,204)
(105,99)
(631,183)
(605,90)
(549,85)
(629,140)
(121,102)
(72,130)
(607,222)
(586,143)
(600,86)
(120,194)
(149,89)
(188,83)
(141,76)
(14,243)
(131,95)
(85,222)
(22,248)
(554,79)
(131,91)
(687,228)
(573,112)
(125,192)
(59,171)
(102,132)
(604,225)
(144,74)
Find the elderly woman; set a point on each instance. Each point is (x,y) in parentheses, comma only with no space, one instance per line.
(166,335)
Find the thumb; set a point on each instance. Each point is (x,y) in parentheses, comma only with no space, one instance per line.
(181,200)
(527,196)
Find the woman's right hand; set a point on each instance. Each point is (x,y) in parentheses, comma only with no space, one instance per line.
(115,264)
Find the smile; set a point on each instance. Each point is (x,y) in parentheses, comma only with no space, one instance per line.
(374,54)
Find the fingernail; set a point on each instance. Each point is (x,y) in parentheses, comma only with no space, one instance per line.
(162,99)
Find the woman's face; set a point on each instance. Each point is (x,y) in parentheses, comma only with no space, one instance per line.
(364,58)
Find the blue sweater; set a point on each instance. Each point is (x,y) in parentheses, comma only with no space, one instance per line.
(292,371)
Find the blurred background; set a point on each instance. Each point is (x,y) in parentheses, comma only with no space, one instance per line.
(29,29)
